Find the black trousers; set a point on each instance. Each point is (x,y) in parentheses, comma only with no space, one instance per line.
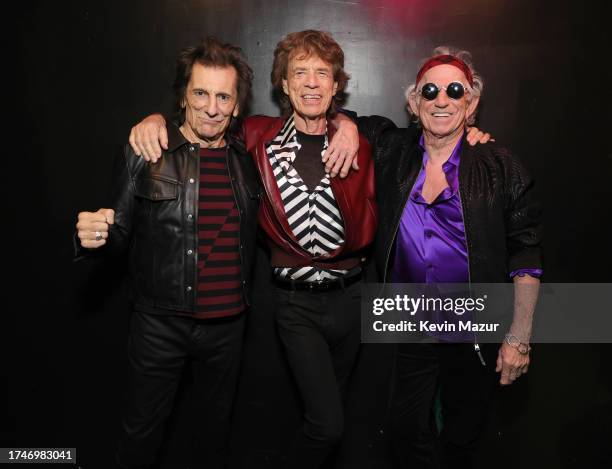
(321,334)
(158,349)
(466,394)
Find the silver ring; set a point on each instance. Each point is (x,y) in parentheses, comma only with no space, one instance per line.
(98,236)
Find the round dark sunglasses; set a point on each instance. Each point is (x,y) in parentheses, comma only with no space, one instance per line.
(454,90)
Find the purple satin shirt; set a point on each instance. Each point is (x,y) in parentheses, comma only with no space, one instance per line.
(430,245)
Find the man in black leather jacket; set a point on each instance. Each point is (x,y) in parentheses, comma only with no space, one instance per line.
(451,212)
(188,223)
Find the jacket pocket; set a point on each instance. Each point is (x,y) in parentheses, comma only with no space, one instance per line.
(154,189)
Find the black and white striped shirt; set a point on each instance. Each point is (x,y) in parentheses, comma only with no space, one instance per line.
(313,216)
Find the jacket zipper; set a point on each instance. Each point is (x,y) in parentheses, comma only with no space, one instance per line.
(467,250)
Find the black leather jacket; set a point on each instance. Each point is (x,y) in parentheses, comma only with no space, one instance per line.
(156,213)
(502,219)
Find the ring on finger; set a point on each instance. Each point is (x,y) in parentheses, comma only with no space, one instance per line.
(98,236)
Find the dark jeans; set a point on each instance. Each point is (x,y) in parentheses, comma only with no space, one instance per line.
(321,334)
(158,349)
(466,393)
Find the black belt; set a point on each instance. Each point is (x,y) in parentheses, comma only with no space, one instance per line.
(319,285)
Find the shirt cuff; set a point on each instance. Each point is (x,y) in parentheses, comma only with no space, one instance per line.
(537,273)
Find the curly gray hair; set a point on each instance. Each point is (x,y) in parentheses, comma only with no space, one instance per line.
(475,89)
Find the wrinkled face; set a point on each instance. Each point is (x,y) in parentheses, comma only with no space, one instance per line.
(211,99)
(443,116)
(310,85)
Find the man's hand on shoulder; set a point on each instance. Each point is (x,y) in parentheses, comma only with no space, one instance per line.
(342,152)
(475,135)
(149,136)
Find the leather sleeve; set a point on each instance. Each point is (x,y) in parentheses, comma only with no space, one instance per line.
(523,217)
(122,199)
(373,128)
(385,138)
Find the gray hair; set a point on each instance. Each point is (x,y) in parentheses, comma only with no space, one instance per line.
(475,89)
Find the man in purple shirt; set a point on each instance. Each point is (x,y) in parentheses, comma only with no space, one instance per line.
(452,213)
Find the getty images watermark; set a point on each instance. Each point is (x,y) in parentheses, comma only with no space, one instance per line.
(416,307)
(564,313)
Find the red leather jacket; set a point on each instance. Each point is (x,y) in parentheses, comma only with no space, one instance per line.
(355,196)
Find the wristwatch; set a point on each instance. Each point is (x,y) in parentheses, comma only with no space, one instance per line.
(513,341)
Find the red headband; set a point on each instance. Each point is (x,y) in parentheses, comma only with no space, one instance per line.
(448,60)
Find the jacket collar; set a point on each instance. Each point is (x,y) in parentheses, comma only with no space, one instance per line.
(289,130)
(176,139)
(410,160)
(464,158)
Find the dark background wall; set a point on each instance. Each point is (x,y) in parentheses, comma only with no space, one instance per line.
(87,71)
